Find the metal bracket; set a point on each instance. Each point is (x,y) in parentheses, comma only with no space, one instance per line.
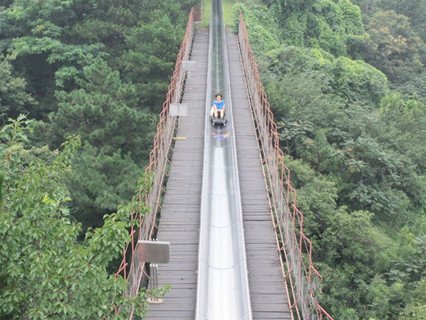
(153,283)
(154,252)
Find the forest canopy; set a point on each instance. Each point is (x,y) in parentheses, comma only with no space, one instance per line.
(81,85)
(346,83)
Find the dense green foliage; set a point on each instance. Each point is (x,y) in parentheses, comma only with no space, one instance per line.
(99,70)
(90,77)
(335,26)
(347,90)
(46,272)
(13,97)
(415,10)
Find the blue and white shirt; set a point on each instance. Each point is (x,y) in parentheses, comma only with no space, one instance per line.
(219,105)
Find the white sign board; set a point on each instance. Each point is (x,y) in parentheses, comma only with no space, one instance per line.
(178,109)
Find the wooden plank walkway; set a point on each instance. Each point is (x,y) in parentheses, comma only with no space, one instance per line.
(180,216)
(267,286)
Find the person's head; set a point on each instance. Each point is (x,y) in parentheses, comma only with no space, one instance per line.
(218,96)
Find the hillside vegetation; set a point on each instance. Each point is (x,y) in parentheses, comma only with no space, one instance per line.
(347,84)
(81,85)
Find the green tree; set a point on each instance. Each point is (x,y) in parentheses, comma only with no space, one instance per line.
(46,272)
(150,59)
(329,117)
(405,118)
(105,113)
(262,26)
(335,26)
(349,250)
(394,47)
(414,9)
(100,183)
(416,308)
(13,97)
(358,167)
(117,136)
(52,41)
(1,188)
(357,81)
(34,35)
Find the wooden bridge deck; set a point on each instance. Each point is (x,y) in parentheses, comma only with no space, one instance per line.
(180,214)
(267,287)
(180,217)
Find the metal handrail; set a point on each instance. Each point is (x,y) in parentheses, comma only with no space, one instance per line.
(144,220)
(288,220)
(301,276)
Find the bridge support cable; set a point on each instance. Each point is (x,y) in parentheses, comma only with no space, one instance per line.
(222,280)
(296,249)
